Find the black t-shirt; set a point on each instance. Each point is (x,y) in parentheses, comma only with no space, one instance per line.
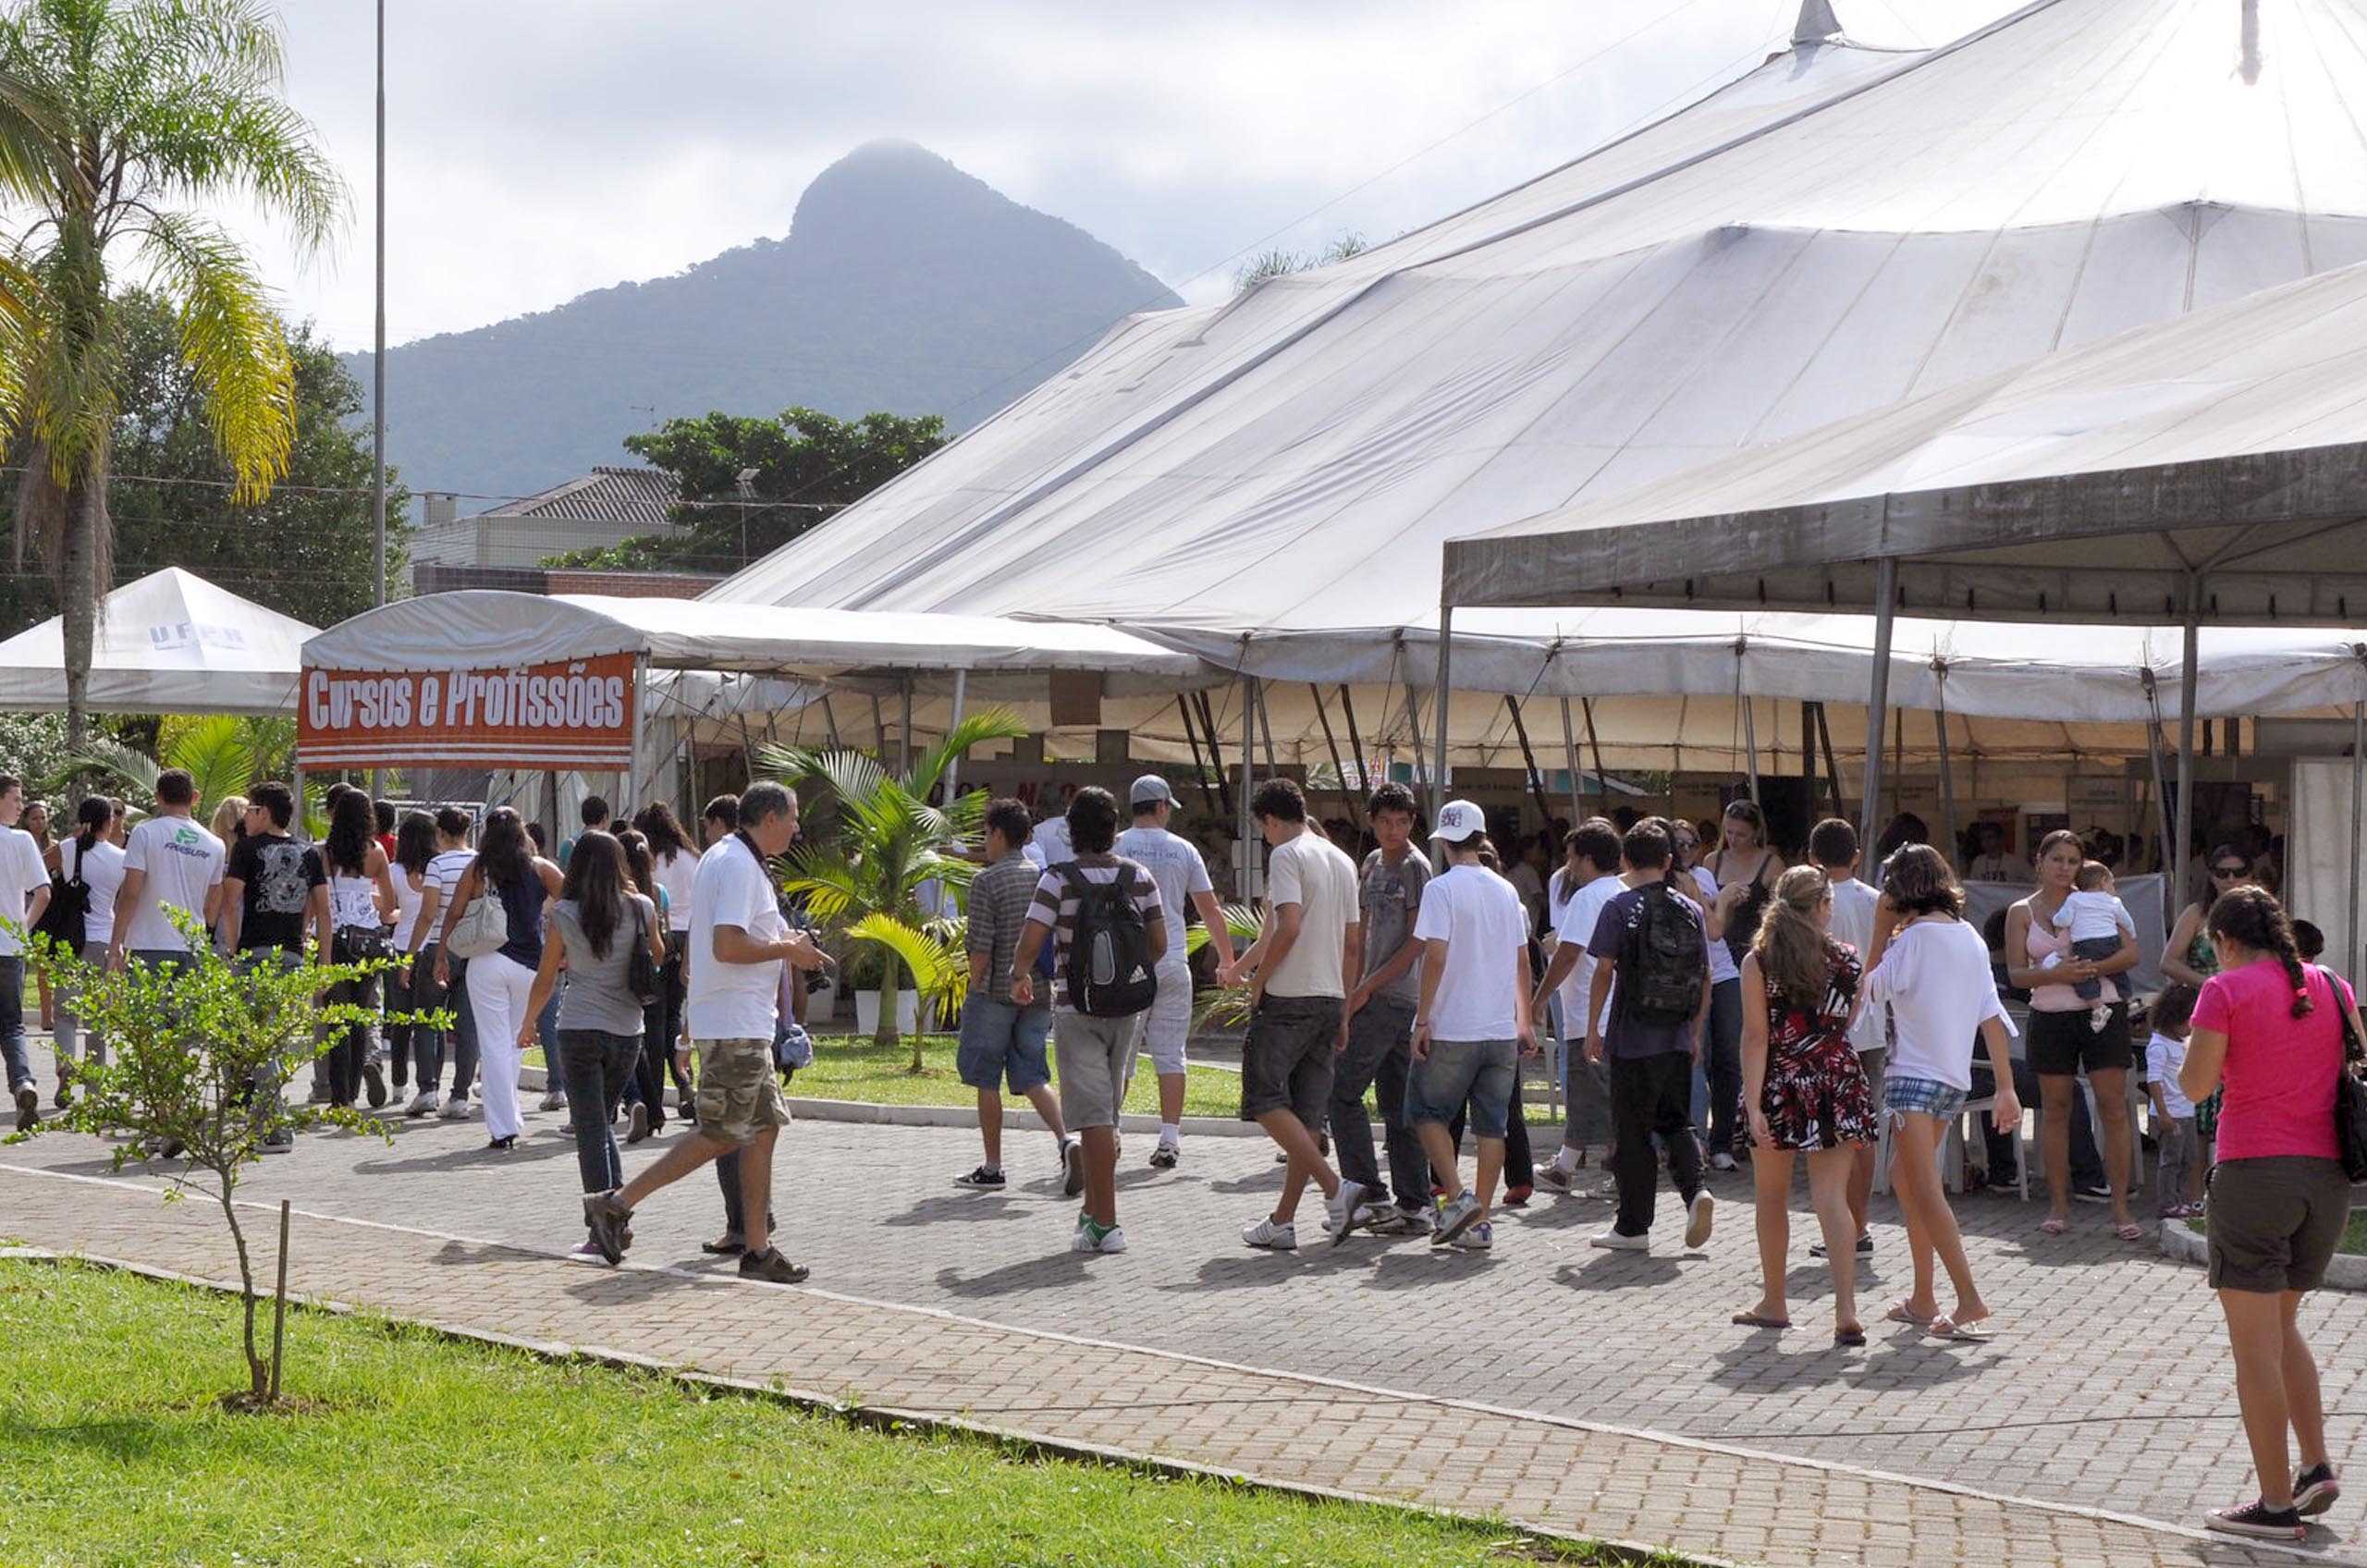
(280,875)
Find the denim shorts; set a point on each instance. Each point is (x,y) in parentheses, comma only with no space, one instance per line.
(1928,1095)
(1484,1073)
(1003,1041)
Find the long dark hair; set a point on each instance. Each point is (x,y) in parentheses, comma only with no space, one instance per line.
(2251,917)
(595,885)
(658,824)
(91,820)
(353,829)
(415,843)
(637,862)
(504,856)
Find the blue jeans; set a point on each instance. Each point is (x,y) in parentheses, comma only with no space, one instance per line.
(1586,1087)
(1001,1043)
(546,1036)
(464,1027)
(424,1041)
(12,1021)
(598,1066)
(1376,1059)
(1483,1074)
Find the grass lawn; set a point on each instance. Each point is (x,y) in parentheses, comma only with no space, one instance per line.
(2354,1233)
(426,1451)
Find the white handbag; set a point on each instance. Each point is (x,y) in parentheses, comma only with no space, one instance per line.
(483,927)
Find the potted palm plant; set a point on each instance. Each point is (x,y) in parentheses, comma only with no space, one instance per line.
(866,880)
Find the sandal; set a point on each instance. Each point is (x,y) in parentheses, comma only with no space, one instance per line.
(1849,1335)
(1753,1320)
(1901,1313)
(1975,1332)
(2054,1227)
(2132,1231)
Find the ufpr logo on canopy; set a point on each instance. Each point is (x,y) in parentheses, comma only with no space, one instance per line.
(195,634)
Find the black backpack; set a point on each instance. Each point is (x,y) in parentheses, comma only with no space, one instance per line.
(1109,969)
(65,919)
(1663,961)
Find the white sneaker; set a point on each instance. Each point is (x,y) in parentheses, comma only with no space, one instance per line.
(1479,1238)
(455,1110)
(1612,1241)
(1455,1218)
(1266,1233)
(1341,1217)
(1698,1215)
(1113,1241)
(424,1103)
(555,1099)
(1722,1160)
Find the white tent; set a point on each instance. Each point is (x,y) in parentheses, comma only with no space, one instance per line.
(1268,482)
(169,642)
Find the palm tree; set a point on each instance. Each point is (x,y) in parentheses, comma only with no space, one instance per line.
(892,842)
(151,106)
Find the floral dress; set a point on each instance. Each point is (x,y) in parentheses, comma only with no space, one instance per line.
(1816,1095)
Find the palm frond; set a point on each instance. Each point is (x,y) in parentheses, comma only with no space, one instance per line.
(232,339)
(111,758)
(975,729)
(939,967)
(215,751)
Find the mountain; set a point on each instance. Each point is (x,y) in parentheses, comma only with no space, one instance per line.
(904,284)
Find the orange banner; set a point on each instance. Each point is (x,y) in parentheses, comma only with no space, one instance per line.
(574,715)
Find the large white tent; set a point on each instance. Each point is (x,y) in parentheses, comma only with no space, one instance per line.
(1268,482)
(169,642)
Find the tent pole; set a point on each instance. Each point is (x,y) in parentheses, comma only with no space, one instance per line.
(2172,896)
(1808,758)
(1414,729)
(2358,813)
(2189,676)
(1356,741)
(905,744)
(953,761)
(1749,726)
(1215,750)
(1331,743)
(1266,731)
(1245,845)
(1877,701)
(1594,744)
(1570,760)
(1832,764)
(1446,654)
(1199,768)
(830,721)
(878,730)
(1947,767)
(1528,757)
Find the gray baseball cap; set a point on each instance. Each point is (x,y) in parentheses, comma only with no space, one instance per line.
(1150,787)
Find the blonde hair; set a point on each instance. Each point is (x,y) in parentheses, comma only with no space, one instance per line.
(227,815)
(1790,945)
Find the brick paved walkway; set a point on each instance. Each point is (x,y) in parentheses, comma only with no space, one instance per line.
(1586,1392)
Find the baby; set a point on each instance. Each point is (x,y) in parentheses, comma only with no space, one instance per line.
(2093,919)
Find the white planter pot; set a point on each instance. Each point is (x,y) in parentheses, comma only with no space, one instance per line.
(867,1012)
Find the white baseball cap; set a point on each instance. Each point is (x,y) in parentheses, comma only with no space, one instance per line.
(1459,820)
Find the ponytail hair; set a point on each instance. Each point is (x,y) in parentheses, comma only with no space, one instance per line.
(2251,917)
(1790,944)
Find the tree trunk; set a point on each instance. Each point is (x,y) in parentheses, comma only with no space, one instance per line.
(77,581)
(892,986)
(258,1369)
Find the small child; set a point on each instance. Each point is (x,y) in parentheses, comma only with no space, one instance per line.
(2093,918)
(2173,1112)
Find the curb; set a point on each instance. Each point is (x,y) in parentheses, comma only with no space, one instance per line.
(2345,1271)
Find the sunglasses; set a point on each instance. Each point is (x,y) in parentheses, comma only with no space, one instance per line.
(2224,871)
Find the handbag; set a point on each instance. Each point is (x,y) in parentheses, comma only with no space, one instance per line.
(2350,1095)
(483,927)
(640,970)
(66,919)
(357,944)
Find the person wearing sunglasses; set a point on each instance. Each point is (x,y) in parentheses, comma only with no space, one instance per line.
(2188,958)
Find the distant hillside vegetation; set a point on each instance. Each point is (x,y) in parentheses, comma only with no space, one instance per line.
(905,286)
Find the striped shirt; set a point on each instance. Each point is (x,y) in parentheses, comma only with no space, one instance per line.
(999,899)
(1055,905)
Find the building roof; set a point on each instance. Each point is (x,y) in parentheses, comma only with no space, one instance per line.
(1836,231)
(638,497)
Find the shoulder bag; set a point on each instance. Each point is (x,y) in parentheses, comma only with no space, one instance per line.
(641,971)
(483,927)
(2350,1094)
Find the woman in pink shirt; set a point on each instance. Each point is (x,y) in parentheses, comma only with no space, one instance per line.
(2268,1028)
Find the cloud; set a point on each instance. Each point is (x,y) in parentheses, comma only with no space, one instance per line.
(541,148)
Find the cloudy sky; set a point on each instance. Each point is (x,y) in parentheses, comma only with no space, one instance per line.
(539,148)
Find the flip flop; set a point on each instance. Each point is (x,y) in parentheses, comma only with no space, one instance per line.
(1974,1334)
(1753,1320)
(2132,1232)
(1899,1312)
(1851,1336)
(2054,1227)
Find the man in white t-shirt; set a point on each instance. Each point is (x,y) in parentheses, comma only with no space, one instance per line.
(1183,876)
(739,942)
(1472,1026)
(1296,969)
(170,862)
(1591,878)
(24,894)
(1049,845)
(1833,849)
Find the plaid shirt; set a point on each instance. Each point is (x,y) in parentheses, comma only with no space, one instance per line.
(999,899)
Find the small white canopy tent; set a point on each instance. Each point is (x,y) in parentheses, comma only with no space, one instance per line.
(169,642)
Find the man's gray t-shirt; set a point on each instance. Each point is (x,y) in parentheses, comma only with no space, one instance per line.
(598,995)
(1391,896)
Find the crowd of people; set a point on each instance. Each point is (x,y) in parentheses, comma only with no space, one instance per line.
(1708,1010)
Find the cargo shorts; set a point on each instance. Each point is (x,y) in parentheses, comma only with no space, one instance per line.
(738,1094)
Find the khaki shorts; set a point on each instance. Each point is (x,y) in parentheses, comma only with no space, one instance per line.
(2273,1221)
(1096,1059)
(738,1094)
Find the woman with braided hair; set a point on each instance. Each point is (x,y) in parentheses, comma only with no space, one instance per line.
(2268,1030)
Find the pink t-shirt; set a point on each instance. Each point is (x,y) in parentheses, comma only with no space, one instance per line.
(2280,1069)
